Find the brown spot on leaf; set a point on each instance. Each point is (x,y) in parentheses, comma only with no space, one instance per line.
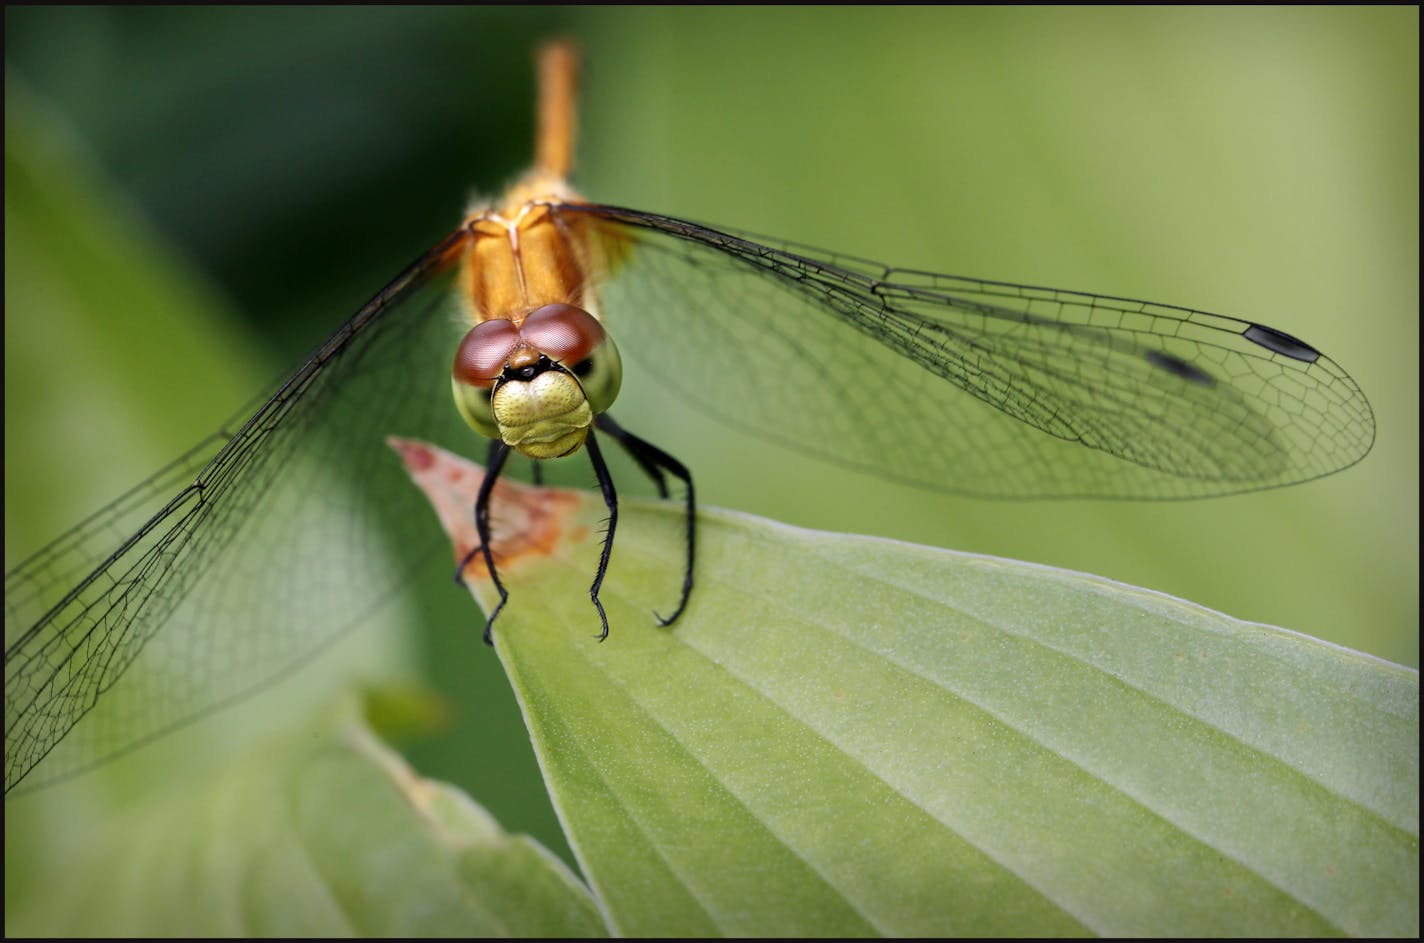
(525,522)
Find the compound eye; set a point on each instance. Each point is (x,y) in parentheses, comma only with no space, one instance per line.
(563,333)
(484,351)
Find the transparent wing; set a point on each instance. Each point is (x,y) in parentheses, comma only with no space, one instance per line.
(289,532)
(970,386)
(242,559)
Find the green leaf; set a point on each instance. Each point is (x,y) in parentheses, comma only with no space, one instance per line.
(104,322)
(323,832)
(852,736)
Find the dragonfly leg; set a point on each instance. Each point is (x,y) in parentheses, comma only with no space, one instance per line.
(498,452)
(654,461)
(610,498)
(626,439)
(536,472)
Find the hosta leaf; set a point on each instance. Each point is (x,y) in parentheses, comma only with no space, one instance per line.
(850,736)
(325,832)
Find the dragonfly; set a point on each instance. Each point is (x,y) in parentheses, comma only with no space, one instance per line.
(283,531)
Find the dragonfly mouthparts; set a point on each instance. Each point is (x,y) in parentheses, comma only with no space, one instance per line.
(530,371)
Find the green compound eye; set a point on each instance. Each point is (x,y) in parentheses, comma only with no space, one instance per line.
(474,405)
(601,376)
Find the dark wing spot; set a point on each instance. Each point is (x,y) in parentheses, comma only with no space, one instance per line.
(1179,368)
(1280,342)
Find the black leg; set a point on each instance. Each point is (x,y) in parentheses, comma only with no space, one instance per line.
(649,467)
(610,498)
(498,452)
(653,460)
(536,472)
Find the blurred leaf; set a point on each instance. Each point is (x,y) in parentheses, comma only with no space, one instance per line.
(850,736)
(324,832)
(104,322)
(119,356)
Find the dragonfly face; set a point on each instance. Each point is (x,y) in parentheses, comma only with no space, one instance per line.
(535,384)
(245,559)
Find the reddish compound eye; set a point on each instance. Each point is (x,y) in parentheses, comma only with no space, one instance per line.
(483,352)
(563,333)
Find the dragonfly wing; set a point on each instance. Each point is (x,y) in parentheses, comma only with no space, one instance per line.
(276,540)
(969,386)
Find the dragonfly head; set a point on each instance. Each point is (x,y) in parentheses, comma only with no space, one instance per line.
(537,385)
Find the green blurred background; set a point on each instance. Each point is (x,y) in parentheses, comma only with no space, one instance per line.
(285,163)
